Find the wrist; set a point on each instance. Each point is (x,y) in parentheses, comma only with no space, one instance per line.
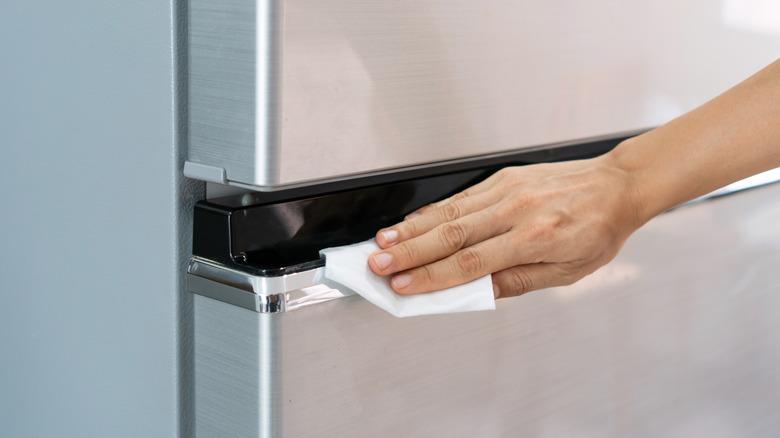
(623,163)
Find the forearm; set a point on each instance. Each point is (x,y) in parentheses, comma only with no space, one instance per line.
(734,136)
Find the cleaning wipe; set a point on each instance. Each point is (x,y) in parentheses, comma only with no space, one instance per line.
(347,266)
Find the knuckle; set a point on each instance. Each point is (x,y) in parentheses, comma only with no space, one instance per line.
(426,274)
(543,233)
(501,173)
(531,199)
(424,209)
(407,252)
(469,262)
(407,229)
(452,235)
(519,282)
(450,211)
(545,229)
(458,196)
(506,172)
(506,209)
(515,202)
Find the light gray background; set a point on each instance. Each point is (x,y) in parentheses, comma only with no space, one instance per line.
(94,224)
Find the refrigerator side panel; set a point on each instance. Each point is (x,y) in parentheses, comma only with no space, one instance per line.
(94,220)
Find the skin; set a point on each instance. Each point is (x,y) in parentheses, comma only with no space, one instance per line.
(545,225)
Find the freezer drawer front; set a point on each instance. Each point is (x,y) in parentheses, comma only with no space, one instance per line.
(293,92)
(644,347)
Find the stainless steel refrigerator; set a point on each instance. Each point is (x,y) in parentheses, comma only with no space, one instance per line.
(317,122)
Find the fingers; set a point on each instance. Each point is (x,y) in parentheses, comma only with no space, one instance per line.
(518,280)
(439,243)
(463,266)
(432,216)
(513,258)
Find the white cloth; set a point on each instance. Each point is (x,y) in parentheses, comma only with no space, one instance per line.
(348,266)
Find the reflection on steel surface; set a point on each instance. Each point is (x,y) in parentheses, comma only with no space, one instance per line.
(350,87)
(686,345)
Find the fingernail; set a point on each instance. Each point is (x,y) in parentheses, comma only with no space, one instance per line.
(390,236)
(401,281)
(496,291)
(411,216)
(382,260)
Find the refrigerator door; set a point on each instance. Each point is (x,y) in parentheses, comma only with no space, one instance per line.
(643,347)
(284,93)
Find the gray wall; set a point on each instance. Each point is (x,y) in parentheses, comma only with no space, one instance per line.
(90,243)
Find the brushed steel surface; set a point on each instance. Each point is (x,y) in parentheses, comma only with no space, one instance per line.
(678,337)
(236,367)
(234,86)
(348,87)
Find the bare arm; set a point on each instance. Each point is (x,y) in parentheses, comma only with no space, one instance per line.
(734,136)
(551,224)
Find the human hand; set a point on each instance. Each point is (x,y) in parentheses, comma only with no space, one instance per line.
(531,227)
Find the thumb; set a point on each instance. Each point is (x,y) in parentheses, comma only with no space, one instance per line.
(518,280)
